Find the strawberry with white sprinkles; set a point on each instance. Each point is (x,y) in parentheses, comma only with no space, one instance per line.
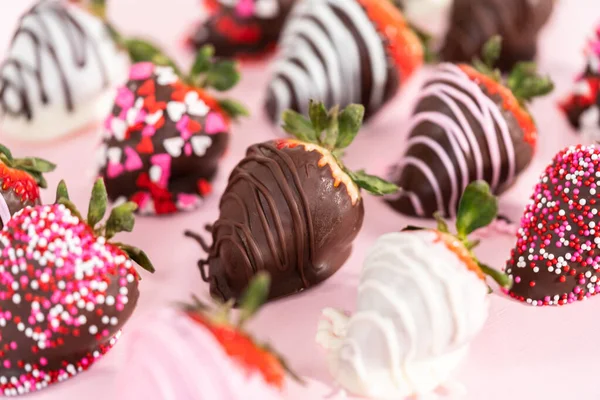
(65,290)
(557,256)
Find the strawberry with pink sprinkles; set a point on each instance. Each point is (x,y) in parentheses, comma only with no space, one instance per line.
(65,290)
(557,256)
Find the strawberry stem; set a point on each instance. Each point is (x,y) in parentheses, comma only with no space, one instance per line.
(36,167)
(121,219)
(335,130)
(524,81)
(254,297)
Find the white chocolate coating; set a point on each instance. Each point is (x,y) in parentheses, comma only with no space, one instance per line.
(418,309)
(59,74)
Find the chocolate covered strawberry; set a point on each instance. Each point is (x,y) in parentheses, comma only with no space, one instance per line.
(469,124)
(167,134)
(342,52)
(66,290)
(556,259)
(418,288)
(242,28)
(20,182)
(291,207)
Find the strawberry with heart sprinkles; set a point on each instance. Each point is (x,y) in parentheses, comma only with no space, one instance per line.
(556,258)
(166,134)
(66,290)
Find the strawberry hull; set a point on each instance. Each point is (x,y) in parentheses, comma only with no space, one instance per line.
(65,296)
(289,210)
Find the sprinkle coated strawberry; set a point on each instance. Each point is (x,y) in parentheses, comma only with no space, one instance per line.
(556,259)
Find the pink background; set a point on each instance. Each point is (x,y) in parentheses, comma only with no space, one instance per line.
(523,352)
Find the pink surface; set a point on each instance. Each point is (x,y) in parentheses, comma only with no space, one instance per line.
(523,352)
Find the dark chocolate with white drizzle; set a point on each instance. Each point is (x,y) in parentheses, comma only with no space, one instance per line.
(290,208)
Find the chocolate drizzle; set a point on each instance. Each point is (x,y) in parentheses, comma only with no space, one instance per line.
(332,52)
(277,215)
(473,22)
(458,133)
(43,42)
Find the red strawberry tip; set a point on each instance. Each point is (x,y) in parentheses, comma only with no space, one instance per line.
(33,166)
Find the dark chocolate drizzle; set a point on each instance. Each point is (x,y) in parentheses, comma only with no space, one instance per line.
(269,221)
(78,40)
(473,22)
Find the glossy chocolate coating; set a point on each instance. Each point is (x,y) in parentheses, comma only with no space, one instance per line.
(281,213)
(474,22)
(430,145)
(243,30)
(185,154)
(332,52)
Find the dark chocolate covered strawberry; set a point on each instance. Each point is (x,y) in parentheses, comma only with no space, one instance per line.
(468,125)
(20,182)
(66,290)
(167,134)
(342,52)
(557,256)
(291,208)
(242,28)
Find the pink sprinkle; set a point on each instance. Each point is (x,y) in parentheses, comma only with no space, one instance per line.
(141,70)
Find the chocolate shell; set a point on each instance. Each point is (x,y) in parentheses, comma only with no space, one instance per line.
(283,213)
(242,27)
(331,51)
(163,142)
(556,258)
(474,22)
(459,133)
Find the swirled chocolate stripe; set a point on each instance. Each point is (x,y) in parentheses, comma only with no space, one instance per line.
(459,133)
(337,51)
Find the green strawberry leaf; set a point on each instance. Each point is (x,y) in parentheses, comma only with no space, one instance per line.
(318,116)
(61,191)
(71,207)
(140,50)
(299,126)
(372,183)
(478,208)
(351,119)
(222,75)
(38,164)
(491,51)
(503,280)
(203,61)
(38,177)
(98,201)
(98,8)
(138,256)
(254,297)
(233,109)
(5,150)
(121,219)
(332,129)
(442,225)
